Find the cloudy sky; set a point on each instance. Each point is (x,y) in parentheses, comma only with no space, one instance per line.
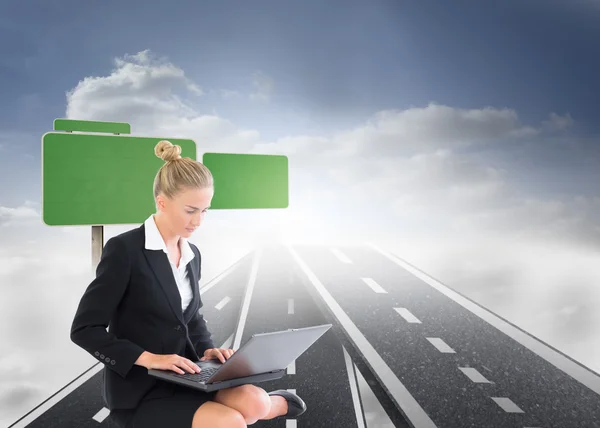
(463,137)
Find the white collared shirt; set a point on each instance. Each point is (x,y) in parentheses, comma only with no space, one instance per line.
(154,241)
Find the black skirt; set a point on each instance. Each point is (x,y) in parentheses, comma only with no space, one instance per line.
(174,411)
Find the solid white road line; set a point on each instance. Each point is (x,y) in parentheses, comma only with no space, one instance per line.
(397,390)
(474,375)
(291,369)
(291,423)
(222,303)
(341,256)
(441,345)
(407,315)
(101,415)
(358,409)
(374,286)
(246,304)
(507,405)
(577,371)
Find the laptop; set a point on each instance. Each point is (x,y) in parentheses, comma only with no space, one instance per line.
(264,357)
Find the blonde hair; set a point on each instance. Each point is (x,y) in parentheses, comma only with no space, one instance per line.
(178,173)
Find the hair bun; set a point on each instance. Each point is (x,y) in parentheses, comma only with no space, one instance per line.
(167,151)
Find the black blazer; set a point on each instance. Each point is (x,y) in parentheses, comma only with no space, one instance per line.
(135,295)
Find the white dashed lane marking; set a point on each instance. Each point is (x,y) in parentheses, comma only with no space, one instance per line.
(407,315)
(374,286)
(222,303)
(341,256)
(507,405)
(101,415)
(441,345)
(474,375)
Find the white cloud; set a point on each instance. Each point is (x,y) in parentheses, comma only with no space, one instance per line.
(262,89)
(408,161)
(573,221)
(10,216)
(18,395)
(142,90)
(263,85)
(226,93)
(393,134)
(42,274)
(129,93)
(423,129)
(558,123)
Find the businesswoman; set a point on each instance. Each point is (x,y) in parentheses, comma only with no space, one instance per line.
(146,292)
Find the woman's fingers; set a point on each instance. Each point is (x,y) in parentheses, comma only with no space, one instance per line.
(177,369)
(175,363)
(219,353)
(216,353)
(189,366)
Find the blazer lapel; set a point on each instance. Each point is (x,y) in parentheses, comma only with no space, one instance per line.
(194,304)
(159,263)
(193,307)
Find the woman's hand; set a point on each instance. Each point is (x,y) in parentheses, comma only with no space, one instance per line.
(172,362)
(217,353)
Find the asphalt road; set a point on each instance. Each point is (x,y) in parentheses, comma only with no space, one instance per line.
(426,352)
(323,376)
(445,361)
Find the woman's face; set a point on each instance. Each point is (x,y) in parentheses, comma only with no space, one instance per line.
(186,211)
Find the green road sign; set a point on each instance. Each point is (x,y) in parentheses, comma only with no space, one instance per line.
(95,179)
(102,179)
(248,180)
(91,126)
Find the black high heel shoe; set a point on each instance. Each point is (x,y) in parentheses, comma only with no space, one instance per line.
(296,406)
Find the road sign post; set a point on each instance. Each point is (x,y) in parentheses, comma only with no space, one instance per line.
(117,128)
(97,244)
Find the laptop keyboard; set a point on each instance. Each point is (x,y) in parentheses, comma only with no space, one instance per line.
(198,377)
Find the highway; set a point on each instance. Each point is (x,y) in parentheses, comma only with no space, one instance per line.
(430,357)
(445,361)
